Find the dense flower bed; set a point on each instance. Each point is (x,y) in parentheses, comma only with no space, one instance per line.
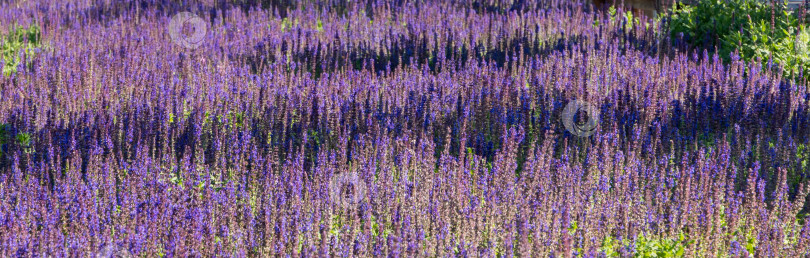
(390,129)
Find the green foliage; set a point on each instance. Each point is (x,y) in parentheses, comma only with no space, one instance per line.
(287,23)
(24,141)
(18,39)
(627,17)
(176,180)
(610,246)
(7,137)
(803,155)
(802,45)
(648,247)
(661,247)
(745,26)
(572,228)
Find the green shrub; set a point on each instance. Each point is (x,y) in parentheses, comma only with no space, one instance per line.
(759,30)
(18,38)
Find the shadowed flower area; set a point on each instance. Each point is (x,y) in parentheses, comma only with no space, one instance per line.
(389,128)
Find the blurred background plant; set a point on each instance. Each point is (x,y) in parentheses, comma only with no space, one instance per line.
(755,30)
